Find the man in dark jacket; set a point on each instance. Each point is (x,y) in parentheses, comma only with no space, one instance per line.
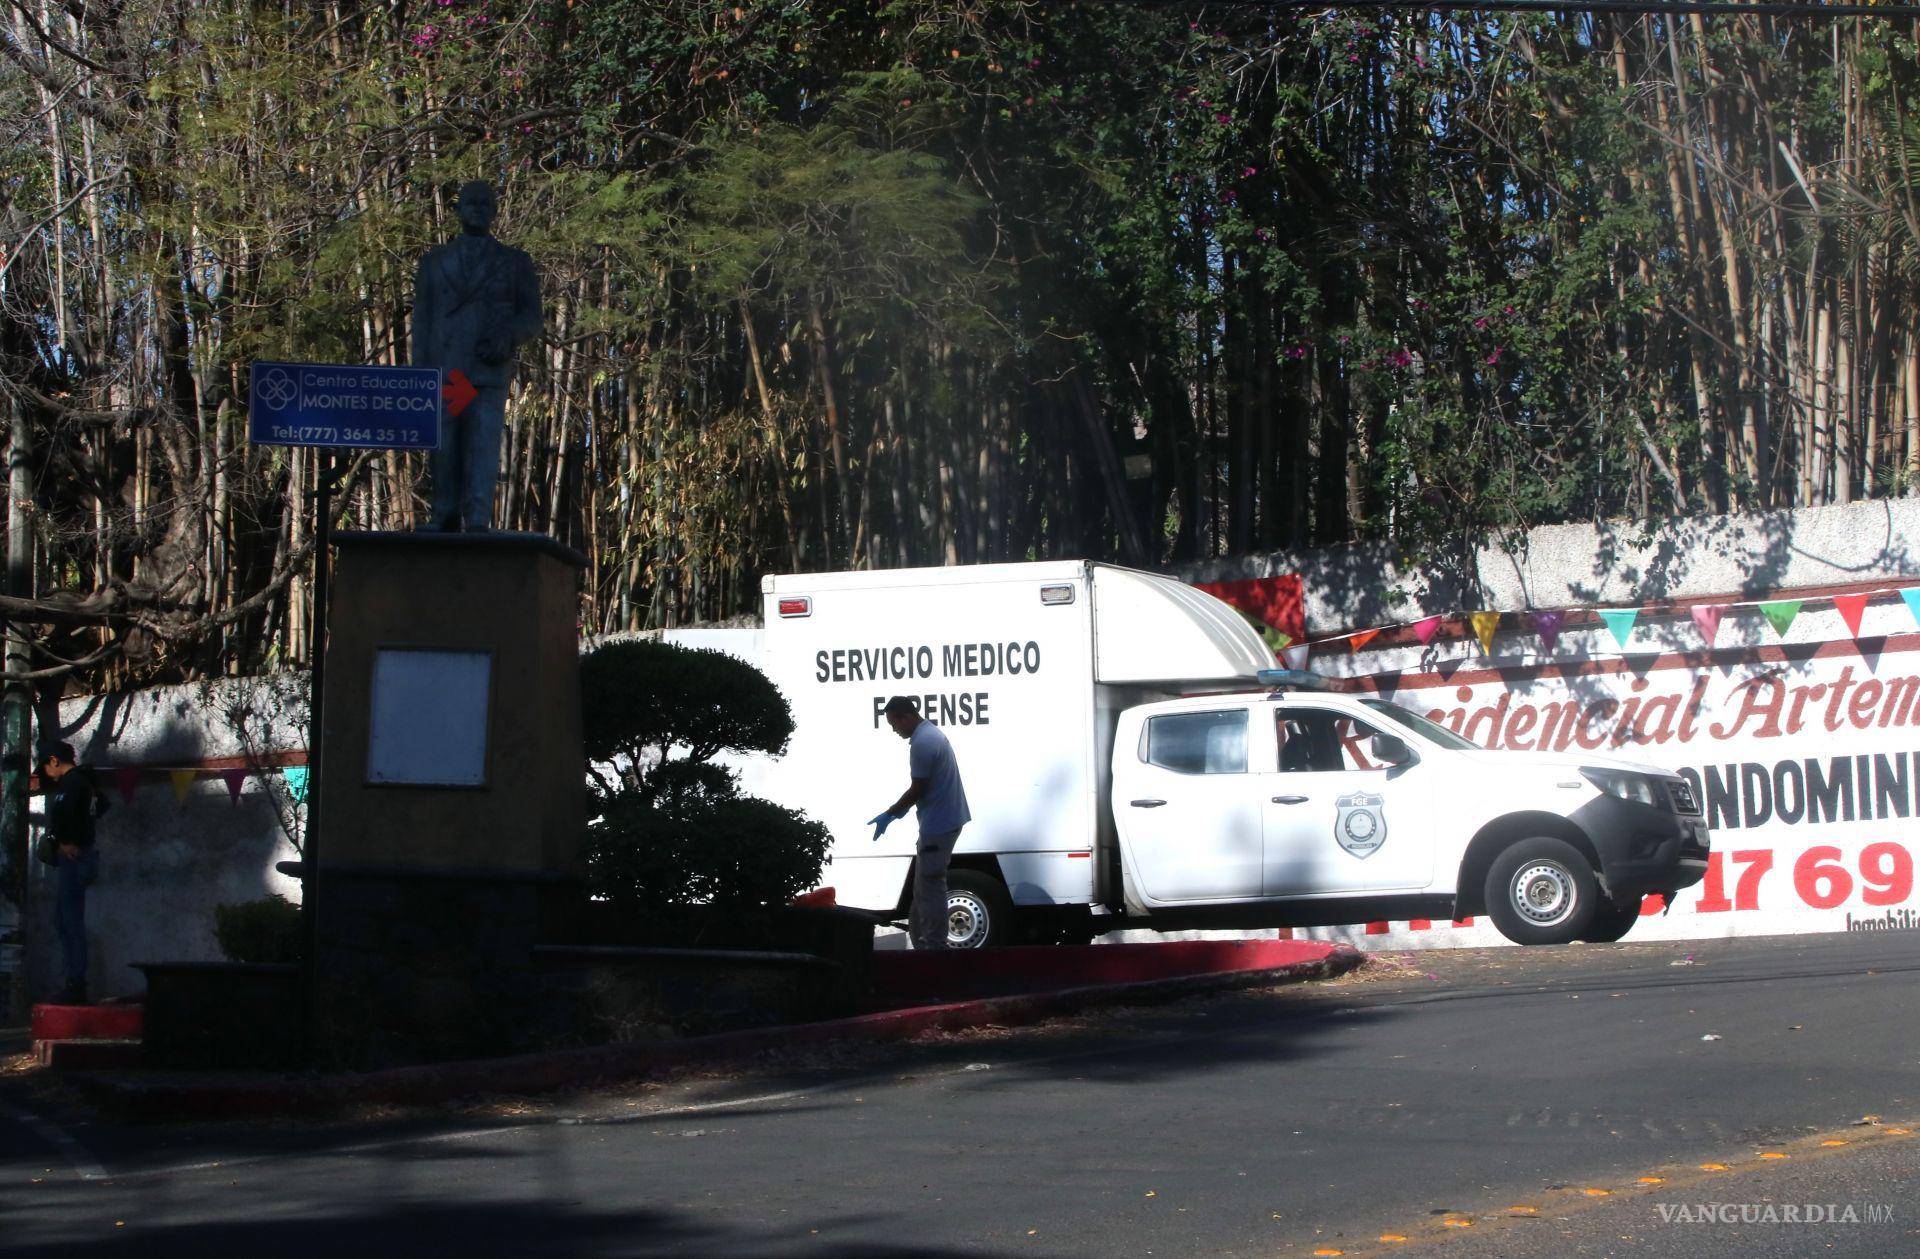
(72,805)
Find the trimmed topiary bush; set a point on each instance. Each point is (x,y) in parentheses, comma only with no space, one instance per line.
(672,829)
(737,853)
(266,930)
(644,699)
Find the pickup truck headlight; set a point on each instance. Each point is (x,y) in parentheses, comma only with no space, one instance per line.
(1615,782)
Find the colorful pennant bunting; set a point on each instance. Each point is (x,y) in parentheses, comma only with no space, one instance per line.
(295,777)
(1549,624)
(235,780)
(1706,617)
(1780,614)
(1850,607)
(126,778)
(182,780)
(1620,621)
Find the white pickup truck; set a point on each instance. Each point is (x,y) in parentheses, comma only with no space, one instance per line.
(1132,759)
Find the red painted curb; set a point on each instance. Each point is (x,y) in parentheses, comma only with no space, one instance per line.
(579,1068)
(86,1022)
(908,977)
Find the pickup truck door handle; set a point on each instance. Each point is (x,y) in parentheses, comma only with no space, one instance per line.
(1290,799)
(1146,804)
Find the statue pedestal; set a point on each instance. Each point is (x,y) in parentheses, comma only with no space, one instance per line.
(451,791)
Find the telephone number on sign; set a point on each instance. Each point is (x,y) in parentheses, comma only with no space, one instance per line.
(1823,877)
(333,434)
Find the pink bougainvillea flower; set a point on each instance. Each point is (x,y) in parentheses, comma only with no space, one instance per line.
(1494,357)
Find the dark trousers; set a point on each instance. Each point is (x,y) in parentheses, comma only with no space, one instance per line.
(927,917)
(71,878)
(466,464)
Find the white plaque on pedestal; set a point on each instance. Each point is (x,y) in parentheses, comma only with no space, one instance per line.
(428,726)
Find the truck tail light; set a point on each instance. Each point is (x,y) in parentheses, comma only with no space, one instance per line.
(1056,594)
(803,606)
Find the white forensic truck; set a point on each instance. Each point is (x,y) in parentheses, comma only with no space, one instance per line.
(1132,759)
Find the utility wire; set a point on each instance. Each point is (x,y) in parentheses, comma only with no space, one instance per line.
(1676,8)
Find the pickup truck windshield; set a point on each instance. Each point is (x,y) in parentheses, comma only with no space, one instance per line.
(1432,731)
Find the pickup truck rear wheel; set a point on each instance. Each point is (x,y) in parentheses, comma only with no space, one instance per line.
(1542,891)
(979,911)
(1611,922)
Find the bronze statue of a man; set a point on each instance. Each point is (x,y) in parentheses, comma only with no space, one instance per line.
(475,301)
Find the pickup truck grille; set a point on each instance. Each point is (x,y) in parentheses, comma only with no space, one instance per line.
(1682,796)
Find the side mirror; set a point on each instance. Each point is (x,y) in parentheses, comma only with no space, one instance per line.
(1391,749)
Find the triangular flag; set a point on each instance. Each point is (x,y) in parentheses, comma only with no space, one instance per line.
(1360,640)
(182,780)
(296,780)
(1851,606)
(1484,625)
(1547,625)
(127,779)
(1425,630)
(1780,614)
(1912,596)
(1295,657)
(235,780)
(1620,621)
(1706,617)
(1387,684)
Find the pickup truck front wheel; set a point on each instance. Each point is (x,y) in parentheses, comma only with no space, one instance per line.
(1542,891)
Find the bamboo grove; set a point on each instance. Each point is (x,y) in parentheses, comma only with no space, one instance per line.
(941,281)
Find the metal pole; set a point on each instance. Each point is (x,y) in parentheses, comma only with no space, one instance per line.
(15,705)
(316,688)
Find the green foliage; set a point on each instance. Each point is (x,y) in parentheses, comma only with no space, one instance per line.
(673,829)
(734,852)
(265,930)
(643,698)
(855,285)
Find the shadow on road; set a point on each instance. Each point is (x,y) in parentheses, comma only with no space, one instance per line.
(457,1225)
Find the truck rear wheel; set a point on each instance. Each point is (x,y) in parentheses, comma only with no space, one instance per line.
(1542,891)
(1611,922)
(979,912)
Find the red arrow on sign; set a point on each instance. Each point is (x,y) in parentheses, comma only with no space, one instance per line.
(457,392)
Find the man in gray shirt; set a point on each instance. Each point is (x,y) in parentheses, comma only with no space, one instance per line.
(942,805)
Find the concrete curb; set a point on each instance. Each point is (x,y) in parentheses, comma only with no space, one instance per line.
(175,1098)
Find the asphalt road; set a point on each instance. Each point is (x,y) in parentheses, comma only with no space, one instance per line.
(1499,1102)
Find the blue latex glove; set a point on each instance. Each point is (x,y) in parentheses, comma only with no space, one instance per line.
(881,823)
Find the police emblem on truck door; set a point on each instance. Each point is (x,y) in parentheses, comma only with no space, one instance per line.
(1361,823)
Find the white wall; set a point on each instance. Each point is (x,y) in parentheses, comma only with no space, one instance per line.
(165,862)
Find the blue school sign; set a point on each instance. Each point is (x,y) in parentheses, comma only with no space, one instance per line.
(323,404)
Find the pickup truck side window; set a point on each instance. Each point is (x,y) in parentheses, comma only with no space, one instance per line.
(1199,743)
(1318,741)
